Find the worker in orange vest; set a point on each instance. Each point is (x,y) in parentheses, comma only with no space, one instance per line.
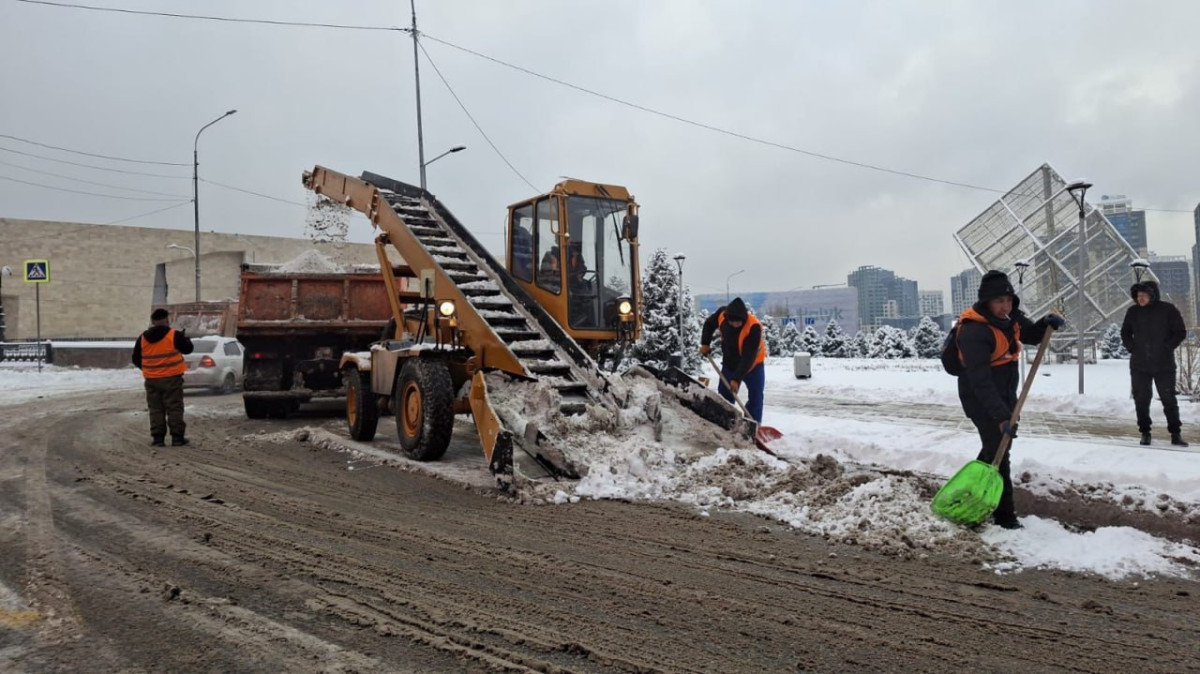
(159,353)
(743,352)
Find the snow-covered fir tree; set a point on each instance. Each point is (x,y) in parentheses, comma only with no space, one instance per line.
(835,343)
(810,341)
(660,317)
(772,334)
(890,342)
(860,346)
(1111,345)
(927,338)
(789,342)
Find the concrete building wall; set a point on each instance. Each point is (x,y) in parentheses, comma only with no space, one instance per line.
(102,277)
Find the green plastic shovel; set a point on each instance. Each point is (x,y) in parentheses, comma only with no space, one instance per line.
(974,491)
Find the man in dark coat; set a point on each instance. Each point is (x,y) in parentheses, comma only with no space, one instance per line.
(1151,331)
(743,353)
(989,334)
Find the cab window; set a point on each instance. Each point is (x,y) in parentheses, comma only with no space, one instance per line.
(549,275)
(521,254)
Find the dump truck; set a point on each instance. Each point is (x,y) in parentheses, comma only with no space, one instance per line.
(295,328)
(203,319)
(470,329)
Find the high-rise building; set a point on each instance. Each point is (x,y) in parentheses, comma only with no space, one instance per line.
(964,290)
(1175,283)
(1130,224)
(875,287)
(931,303)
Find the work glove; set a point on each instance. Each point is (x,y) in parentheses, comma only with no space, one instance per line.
(1055,321)
(734,385)
(1009,429)
(705,349)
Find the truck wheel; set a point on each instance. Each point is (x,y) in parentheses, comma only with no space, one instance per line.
(362,410)
(256,409)
(424,401)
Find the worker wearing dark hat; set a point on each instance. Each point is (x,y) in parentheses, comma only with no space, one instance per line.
(1150,332)
(743,352)
(989,335)
(159,354)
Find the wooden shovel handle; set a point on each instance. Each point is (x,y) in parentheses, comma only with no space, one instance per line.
(1006,440)
(727,386)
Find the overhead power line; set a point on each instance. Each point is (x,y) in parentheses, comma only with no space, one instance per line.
(225,19)
(92,194)
(257,194)
(92,166)
(146,215)
(91,154)
(90,182)
(472,118)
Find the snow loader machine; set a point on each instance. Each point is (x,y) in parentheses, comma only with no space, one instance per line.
(475,329)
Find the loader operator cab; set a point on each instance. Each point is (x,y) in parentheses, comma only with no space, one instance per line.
(584,236)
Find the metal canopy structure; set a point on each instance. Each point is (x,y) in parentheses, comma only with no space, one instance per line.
(1038,222)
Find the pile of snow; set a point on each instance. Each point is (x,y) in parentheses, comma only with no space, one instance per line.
(22,383)
(310,262)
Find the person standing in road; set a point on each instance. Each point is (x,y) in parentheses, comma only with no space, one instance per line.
(743,352)
(159,353)
(988,338)
(1150,332)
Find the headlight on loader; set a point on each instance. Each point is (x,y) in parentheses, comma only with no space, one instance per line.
(624,306)
(446,308)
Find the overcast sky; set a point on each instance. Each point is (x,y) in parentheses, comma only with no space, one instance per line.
(976,92)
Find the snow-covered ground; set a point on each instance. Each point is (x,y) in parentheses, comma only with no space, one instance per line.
(852,479)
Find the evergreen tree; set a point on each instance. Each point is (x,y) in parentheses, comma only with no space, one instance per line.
(927,338)
(1111,345)
(790,340)
(860,346)
(693,362)
(835,344)
(660,317)
(810,341)
(890,342)
(772,334)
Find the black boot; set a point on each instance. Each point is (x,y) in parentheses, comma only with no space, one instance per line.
(1009,522)
(1145,438)
(157,441)
(1177,440)
(178,441)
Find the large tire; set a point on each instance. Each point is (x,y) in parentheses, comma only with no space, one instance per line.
(423,398)
(256,409)
(362,409)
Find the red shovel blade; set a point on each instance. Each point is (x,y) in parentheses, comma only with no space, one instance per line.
(768,434)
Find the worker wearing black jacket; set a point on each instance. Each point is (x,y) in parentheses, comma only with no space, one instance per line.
(989,334)
(743,353)
(1150,332)
(159,352)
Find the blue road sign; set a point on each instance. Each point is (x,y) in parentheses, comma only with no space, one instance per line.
(37,271)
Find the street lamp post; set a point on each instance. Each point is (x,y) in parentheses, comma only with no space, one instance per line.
(1078,190)
(196,193)
(727,280)
(1021,266)
(456,148)
(4,271)
(679,304)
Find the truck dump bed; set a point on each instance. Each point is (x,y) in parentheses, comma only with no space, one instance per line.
(277,303)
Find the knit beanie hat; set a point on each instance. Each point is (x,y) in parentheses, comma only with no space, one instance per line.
(159,314)
(995,284)
(736,310)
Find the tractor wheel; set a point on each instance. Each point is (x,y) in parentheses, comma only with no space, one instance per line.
(424,402)
(256,409)
(362,410)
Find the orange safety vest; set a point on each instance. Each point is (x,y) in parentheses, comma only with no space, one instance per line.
(1003,354)
(762,345)
(161,359)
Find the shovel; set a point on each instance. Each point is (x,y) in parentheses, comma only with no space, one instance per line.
(764,434)
(974,491)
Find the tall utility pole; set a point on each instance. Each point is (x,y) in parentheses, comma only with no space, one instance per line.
(196,193)
(417,78)
(1021,266)
(1082,188)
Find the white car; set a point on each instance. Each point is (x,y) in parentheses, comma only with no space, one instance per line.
(215,364)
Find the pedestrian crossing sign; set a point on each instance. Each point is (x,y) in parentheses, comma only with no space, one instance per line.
(37,271)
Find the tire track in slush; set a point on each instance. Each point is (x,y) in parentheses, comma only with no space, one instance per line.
(395,559)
